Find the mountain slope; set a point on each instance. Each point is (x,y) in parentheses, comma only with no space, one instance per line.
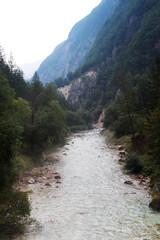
(71,54)
(131,37)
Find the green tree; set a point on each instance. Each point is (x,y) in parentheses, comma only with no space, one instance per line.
(14,205)
(154,83)
(49,94)
(10,134)
(127,96)
(36,90)
(14,213)
(46,132)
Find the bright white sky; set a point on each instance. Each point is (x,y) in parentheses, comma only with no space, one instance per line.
(31,29)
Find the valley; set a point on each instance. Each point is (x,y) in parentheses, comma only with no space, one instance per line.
(90,200)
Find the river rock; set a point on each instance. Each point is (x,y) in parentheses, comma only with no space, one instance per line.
(122,160)
(57,177)
(122,153)
(114,147)
(51,159)
(31,181)
(47,184)
(58,182)
(122,147)
(40,179)
(128,182)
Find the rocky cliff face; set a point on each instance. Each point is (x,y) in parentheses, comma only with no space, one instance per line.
(71,54)
(130,38)
(79,91)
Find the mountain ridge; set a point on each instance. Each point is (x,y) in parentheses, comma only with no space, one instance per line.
(71,54)
(130,38)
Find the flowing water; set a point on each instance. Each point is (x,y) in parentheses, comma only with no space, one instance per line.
(92,201)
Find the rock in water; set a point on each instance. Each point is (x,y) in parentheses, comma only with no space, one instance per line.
(128,182)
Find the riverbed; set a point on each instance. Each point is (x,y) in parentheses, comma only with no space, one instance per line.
(90,201)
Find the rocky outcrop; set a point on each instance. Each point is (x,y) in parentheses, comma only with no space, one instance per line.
(71,54)
(65,90)
(79,91)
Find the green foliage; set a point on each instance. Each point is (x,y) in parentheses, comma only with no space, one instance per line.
(50,122)
(141,105)
(155,203)
(152,121)
(13,75)
(111,115)
(35,96)
(133,163)
(14,206)
(30,125)
(78,128)
(129,37)
(23,111)
(47,130)
(152,131)
(14,213)
(154,84)
(122,115)
(78,120)
(61,82)
(10,133)
(121,127)
(49,94)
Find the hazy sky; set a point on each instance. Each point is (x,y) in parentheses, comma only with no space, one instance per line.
(31,29)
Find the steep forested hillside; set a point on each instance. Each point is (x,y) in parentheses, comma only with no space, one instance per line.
(121,76)
(70,54)
(130,37)
(125,59)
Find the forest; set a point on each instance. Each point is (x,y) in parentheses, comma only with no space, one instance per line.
(126,56)
(34,120)
(134,117)
(129,84)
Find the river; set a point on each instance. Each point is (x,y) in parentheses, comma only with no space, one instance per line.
(91,201)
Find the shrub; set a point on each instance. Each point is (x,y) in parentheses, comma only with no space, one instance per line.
(155,203)
(121,127)
(14,212)
(111,115)
(133,164)
(78,128)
